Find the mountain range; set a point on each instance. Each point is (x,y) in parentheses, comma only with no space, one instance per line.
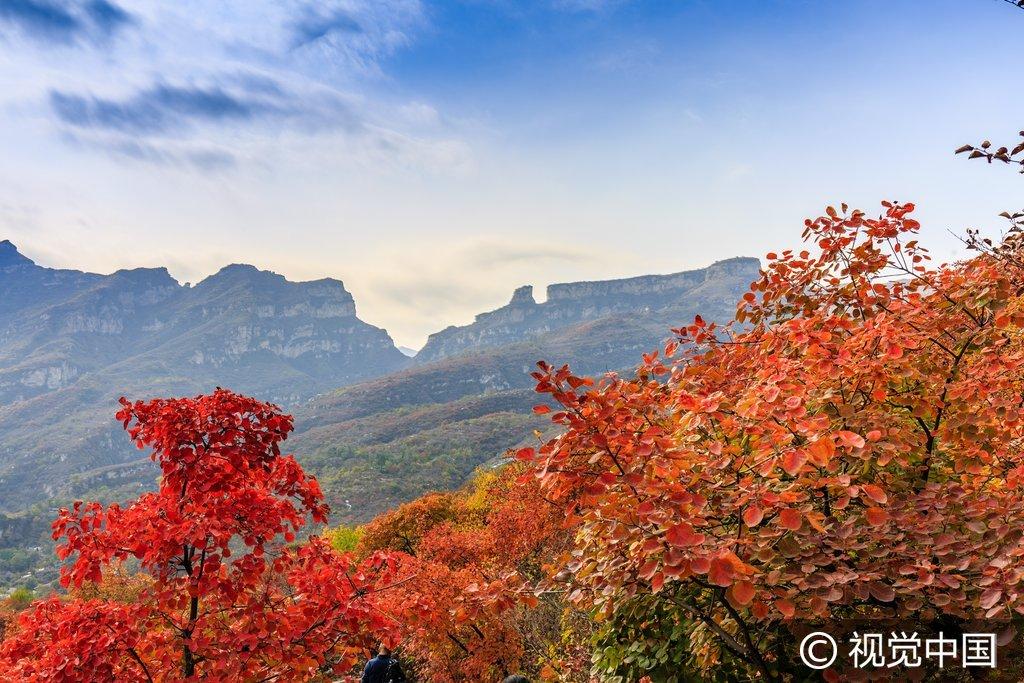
(376,425)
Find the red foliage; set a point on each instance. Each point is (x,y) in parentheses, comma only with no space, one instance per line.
(83,640)
(226,598)
(851,448)
(461,591)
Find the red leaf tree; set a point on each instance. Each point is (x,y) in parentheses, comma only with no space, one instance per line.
(851,448)
(226,598)
(466,564)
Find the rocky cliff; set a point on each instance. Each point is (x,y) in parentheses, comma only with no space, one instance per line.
(58,325)
(662,298)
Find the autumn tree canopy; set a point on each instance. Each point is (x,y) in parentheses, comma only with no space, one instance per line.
(226,597)
(849,447)
(463,590)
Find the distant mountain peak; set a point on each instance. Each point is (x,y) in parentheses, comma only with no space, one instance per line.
(249,274)
(659,301)
(158,274)
(241,269)
(523,295)
(10,256)
(243,274)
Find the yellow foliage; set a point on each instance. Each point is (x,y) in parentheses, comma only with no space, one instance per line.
(344,539)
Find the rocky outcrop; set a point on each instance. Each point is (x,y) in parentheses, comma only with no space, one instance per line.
(50,377)
(249,329)
(715,288)
(10,257)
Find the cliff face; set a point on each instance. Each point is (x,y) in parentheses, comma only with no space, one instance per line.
(242,327)
(712,291)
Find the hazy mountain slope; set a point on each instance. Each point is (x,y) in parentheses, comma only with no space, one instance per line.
(66,443)
(594,347)
(377,443)
(24,285)
(370,464)
(661,297)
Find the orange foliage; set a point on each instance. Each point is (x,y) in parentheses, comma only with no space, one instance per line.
(466,610)
(403,528)
(851,448)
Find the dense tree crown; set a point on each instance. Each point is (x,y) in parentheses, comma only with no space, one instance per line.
(850,447)
(226,599)
(465,561)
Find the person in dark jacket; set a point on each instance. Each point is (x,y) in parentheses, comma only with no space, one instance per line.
(383,668)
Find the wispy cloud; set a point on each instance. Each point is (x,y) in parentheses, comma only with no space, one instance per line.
(198,126)
(175,155)
(159,108)
(315,26)
(587,5)
(164,107)
(64,22)
(214,86)
(107,17)
(352,36)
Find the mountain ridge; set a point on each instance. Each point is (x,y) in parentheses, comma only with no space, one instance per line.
(56,336)
(569,303)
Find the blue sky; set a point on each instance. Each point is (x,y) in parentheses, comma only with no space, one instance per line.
(434,155)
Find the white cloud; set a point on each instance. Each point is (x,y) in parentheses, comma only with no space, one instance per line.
(211,86)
